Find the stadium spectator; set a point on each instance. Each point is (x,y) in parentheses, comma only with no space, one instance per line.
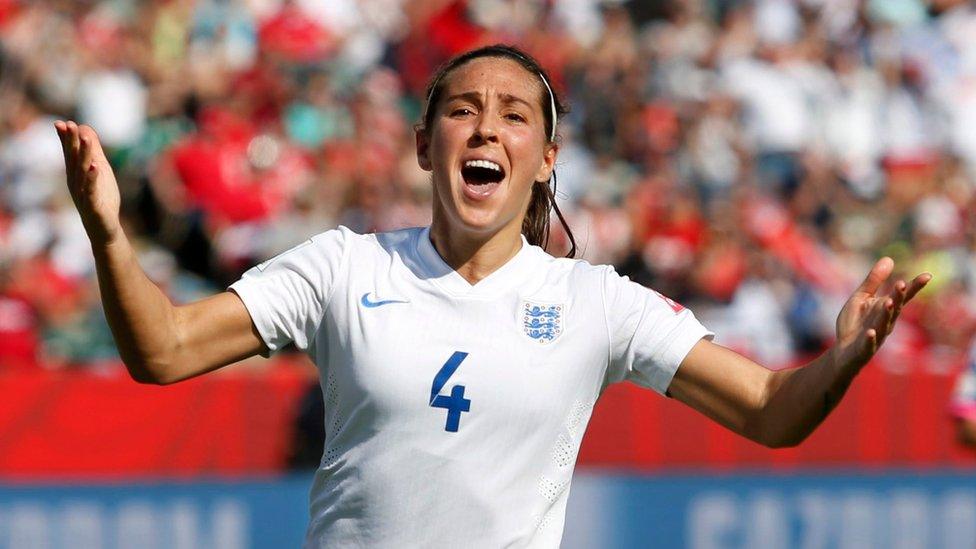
(696,124)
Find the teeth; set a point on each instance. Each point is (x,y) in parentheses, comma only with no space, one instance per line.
(487,164)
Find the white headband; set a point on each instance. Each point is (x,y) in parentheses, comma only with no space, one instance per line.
(552,103)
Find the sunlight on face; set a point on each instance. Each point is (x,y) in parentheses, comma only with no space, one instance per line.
(487,146)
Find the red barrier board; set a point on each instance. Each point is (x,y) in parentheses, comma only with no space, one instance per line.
(885,420)
(76,424)
(79,424)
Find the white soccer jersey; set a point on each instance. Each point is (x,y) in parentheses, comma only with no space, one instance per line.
(454,412)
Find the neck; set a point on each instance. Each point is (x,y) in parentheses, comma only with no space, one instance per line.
(475,256)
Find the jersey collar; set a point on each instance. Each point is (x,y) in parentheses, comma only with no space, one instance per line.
(509,275)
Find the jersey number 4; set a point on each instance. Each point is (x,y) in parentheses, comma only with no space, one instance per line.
(455,403)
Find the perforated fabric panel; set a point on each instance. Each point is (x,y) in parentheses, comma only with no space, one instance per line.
(579,411)
(332,453)
(546,520)
(565,454)
(552,489)
(554,483)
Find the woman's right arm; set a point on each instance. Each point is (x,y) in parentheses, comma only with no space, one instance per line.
(158,342)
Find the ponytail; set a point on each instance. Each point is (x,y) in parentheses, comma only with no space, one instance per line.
(535,226)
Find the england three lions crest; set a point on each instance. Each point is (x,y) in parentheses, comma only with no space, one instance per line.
(541,322)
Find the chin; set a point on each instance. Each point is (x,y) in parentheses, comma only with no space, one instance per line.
(475,217)
(482,224)
(480,220)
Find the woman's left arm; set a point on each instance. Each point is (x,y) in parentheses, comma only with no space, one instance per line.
(780,409)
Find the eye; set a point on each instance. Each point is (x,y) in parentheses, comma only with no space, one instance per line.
(461,111)
(515,117)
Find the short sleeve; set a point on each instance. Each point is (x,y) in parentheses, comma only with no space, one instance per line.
(650,334)
(287,295)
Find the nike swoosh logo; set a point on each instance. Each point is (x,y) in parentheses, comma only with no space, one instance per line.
(367,303)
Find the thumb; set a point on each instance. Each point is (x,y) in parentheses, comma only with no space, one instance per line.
(877,276)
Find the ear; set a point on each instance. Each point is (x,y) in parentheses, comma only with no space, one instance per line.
(548,162)
(423,145)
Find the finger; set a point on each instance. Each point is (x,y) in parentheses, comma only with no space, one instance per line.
(870,343)
(888,319)
(87,132)
(917,284)
(899,292)
(867,346)
(898,295)
(62,129)
(74,142)
(877,276)
(879,317)
(85,155)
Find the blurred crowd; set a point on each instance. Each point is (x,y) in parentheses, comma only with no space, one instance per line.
(750,159)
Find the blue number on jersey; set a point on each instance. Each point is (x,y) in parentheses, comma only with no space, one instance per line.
(456,403)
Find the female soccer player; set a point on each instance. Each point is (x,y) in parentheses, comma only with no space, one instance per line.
(460,362)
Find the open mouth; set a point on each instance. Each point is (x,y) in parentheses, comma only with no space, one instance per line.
(482,177)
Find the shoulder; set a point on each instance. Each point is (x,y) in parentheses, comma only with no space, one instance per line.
(583,276)
(618,292)
(578,274)
(580,269)
(324,246)
(345,238)
(394,241)
(376,250)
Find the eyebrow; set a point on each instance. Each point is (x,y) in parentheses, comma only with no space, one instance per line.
(475,97)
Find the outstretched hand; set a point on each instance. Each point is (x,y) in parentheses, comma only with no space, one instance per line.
(90,181)
(870,315)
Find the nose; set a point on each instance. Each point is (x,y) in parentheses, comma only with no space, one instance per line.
(485,130)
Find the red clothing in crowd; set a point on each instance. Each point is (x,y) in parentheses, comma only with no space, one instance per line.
(214,173)
(18,334)
(294,36)
(219,179)
(452,31)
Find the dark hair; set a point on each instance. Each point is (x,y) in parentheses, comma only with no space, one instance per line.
(535,226)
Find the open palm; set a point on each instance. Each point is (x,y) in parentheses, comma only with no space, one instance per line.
(870,315)
(90,181)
